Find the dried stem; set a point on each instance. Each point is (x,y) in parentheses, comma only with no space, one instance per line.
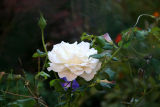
(40,100)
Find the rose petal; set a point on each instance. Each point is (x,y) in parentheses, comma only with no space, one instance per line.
(69,75)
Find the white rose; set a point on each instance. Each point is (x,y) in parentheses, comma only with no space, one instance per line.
(72,60)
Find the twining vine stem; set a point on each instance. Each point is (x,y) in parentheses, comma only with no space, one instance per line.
(141,16)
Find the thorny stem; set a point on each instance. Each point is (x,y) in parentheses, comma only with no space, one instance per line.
(44,46)
(107,61)
(45,49)
(114,54)
(44,64)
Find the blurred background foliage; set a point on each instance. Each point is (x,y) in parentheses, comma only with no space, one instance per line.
(66,20)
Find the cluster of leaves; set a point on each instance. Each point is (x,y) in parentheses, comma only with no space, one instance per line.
(130,72)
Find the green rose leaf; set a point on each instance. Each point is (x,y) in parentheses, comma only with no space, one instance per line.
(155,31)
(43,74)
(23,103)
(110,73)
(1,98)
(106,85)
(56,84)
(101,55)
(60,104)
(140,35)
(39,54)
(85,36)
(101,41)
(108,46)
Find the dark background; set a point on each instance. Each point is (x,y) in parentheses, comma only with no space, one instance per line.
(20,35)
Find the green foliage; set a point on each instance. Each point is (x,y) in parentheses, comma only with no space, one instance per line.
(57,84)
(101,41)
(60,104)
(136,71)
(43,74)
(101,55)
(106,85)
(85,36)
(110,73)
(38,54)
(1,98)
(108,46)
(23,103)
(129,75)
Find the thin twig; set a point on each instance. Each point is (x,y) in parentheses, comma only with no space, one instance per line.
(114,54)
(40,100)
(30,91)
(27,85)
(17,94)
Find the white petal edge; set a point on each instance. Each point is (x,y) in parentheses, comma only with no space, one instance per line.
(69,75)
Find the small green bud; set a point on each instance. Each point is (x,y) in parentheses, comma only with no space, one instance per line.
(98,80)
(42,22)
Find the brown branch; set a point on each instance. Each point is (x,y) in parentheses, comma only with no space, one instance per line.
(17,94)
(27,85)
(30,91)
(40,100)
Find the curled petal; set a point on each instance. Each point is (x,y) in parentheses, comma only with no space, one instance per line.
(107,38)
(88,77)
(56,67)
